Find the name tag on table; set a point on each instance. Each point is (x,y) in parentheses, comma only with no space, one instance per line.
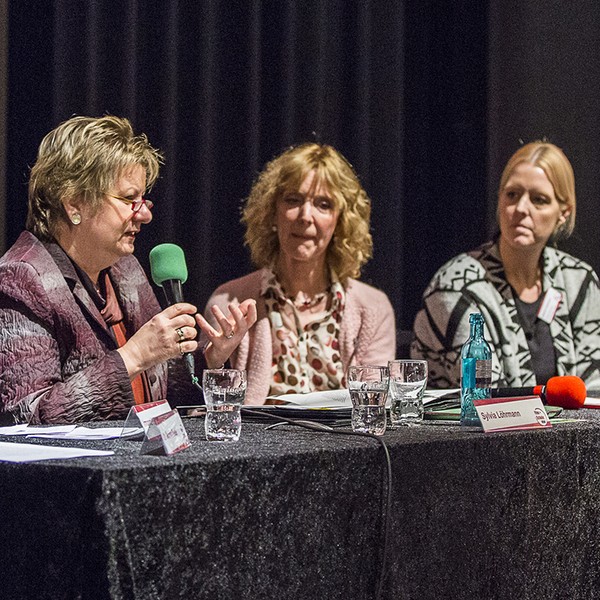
(160,427)
(510,414)
(166,435)
(140,417)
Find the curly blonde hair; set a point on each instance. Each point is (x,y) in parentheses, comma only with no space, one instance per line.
(84,156)
(553,161)
(351,246)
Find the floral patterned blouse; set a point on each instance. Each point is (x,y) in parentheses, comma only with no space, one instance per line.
(305,359)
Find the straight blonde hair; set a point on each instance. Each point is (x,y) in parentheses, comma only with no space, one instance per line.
(83,157)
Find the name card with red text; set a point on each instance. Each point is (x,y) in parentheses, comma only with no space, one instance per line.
(510,414)
(166,435)
(140,416)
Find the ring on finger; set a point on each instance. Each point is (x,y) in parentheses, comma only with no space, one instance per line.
(230,334)
(180,333)
(181,350)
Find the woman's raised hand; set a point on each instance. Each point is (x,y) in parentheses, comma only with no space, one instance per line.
(224,340)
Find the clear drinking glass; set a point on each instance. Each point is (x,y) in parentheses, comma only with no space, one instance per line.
(368,386)
(224,393)
(408,380)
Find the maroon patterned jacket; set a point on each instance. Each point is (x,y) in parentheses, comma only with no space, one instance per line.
(58,359)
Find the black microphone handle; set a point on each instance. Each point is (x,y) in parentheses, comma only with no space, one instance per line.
(173,291)
(174,294)
(516,392)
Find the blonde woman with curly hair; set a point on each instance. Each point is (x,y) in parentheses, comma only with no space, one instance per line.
(307,227)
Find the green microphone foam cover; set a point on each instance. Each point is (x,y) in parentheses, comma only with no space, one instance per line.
(167,261)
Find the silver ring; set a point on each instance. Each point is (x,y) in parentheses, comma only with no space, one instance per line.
(181,350)
(230,335)
(180,333)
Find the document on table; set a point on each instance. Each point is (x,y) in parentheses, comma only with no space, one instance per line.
(325,399)
(27,430)
(71,432)
(13,452)
(341,398)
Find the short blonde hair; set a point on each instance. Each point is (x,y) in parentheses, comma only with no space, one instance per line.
(83,157)
(552,160)
(351,245)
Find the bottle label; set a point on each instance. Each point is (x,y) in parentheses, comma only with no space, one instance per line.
(476,373)
(483,374)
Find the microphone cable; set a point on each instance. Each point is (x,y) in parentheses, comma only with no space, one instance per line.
(386,499)
(320,427)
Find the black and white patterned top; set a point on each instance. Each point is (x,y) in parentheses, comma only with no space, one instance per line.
(475,282)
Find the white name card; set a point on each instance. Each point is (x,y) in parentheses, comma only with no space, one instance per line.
(166,435)
(510,414)
(148,411)
(140,416)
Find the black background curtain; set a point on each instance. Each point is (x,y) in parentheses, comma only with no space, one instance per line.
(426,99)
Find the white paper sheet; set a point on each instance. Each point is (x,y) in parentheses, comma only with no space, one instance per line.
(13,452)
(27,430)
(89,433)
(327,399)
(71,432)
(340,398)
(431,395)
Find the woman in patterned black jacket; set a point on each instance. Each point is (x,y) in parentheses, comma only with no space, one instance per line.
(541,306)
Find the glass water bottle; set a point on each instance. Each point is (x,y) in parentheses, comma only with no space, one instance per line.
(476,371)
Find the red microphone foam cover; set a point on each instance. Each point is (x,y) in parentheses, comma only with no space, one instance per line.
(568,391)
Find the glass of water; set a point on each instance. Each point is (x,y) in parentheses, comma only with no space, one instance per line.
(408,380)
(224,393)
(368,386)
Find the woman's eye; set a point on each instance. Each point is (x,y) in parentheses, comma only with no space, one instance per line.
(541,200)
(292,199)
(324,205)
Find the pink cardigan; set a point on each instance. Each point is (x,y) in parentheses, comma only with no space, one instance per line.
(367,335)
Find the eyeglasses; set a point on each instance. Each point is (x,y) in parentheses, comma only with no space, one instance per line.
(136,205)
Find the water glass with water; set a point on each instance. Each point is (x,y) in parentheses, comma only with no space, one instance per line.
(408,380)
(224,393)
(368,386)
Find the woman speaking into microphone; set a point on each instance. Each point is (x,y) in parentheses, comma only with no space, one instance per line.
(82,335)
(541,306)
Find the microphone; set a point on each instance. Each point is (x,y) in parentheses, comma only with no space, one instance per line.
(169,271)
(566,391)
(168,268)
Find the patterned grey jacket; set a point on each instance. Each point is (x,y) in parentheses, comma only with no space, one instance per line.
(58,359)
(475,282)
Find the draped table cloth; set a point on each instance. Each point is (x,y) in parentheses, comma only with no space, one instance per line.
(288,513)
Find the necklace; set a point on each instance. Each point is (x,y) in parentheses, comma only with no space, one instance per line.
(304,302)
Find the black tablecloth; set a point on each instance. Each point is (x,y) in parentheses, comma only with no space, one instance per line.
(288,513)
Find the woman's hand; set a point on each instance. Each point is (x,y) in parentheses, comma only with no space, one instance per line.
(167,335)
(232,329)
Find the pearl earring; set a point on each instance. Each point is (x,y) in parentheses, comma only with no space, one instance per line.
(76,218)
(274,228)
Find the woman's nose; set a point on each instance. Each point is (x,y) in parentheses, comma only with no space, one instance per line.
(306,211)
(144,215)
(523,203)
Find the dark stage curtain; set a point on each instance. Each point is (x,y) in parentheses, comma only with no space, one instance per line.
(220,87)
(544,82)
(427,99)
